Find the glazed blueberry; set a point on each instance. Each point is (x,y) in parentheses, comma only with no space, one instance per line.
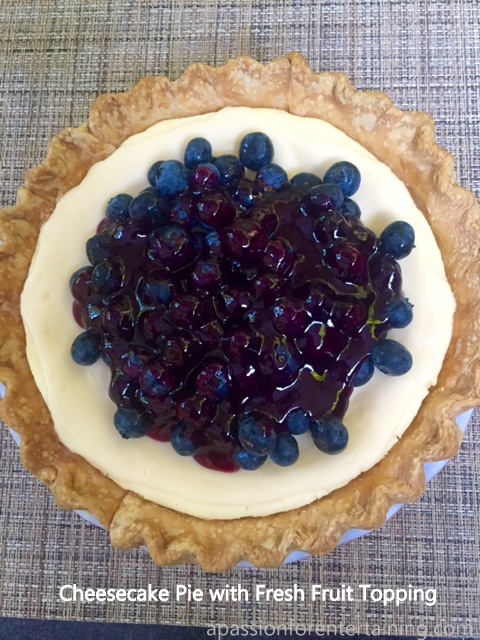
(349,208)
(197,151)
(206,275)
(108,276)
(391,357)
(364,373)
(215,211)
(285,452)
(86,348)
(213,243)
(322,198)
(298,422)
(81,284)
(329,434)
(257,434)
(230,169)
(148,210)
(345,175)
(131,423)
(171,247)
(98,248)
(153,289)
(249,461)
(156,380)
(153,173)
(183,211)
(306,181)
(272,175)
(214,381)
(203,177)
(400,312)
(256,150)
(172,178)
(182,444)
(117,208)
(397,239)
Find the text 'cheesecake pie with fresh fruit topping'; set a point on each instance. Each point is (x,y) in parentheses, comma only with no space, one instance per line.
(239,312)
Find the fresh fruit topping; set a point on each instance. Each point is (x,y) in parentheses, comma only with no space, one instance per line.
(345,175)
(397,239)
(400,312)
(131,423)
(86,348)
(197,151)
(256,151)
(329,434)
(285,452)
(391,357)
(236,314)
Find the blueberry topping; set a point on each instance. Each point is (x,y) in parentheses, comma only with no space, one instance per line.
(272,175)
(117,208)
(86,348)
(230,169)
(345,175)
(349,208)
(152,174)
(364,373)
(236,313)
(306,181)
(391,357)
(198,150)
(397,239)
(182,444)
(298,422)
(329,434)
(285,451)
(249,461)
(257,434)
(131,423)
(172,178)
(256,150)
(400,312)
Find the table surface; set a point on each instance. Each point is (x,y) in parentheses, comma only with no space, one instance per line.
(55,58)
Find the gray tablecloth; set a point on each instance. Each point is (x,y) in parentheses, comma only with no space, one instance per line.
(55,58)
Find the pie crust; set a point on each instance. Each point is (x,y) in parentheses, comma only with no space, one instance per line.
(406,143)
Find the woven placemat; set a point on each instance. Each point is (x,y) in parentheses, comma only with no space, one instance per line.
(55,58)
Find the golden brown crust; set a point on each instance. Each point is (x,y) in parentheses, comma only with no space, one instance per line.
(372,120)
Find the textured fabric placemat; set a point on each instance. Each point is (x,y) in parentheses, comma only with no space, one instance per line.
(55,58)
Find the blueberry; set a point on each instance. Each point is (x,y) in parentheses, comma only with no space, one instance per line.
(322,198)
(391,357)
(172,178)
(117,208)
(148,210)
(256,150)
(156,380)
(349,208)
(181,442)
(108,276)
(203,177)
(214,381)
(98,248)
(272,175)
(329,434)
(230,169)
(213,243)
(285,452)
(305,181)
(256,435)
(397,239)
(249,461)
(198,150)
(345,175)
(152,291)
(172,247)
(131,423)
(153,173)
(364,373)
(298,422)
(86,348)
(400,312)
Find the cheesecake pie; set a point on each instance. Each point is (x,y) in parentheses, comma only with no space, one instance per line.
(238,312)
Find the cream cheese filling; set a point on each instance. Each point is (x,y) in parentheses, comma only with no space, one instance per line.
(77,397)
